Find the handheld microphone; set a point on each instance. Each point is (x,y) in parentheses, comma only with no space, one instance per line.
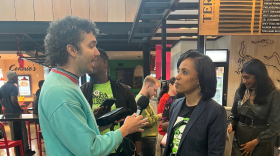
(142,104)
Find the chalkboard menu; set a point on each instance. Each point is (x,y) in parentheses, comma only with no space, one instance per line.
(271,16)
(126,76)
(239,17)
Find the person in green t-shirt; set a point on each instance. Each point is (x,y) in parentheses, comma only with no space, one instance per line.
(102,87)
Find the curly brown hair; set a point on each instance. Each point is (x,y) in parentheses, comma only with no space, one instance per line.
(62,32)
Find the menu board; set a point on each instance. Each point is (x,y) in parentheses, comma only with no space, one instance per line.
(126,76)
(271,16)
(239,17)
(24,85)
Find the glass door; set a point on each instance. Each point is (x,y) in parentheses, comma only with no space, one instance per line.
(220,85)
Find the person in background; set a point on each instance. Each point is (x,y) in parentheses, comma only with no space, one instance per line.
(149,89)
(197,124)
(9,94)
(1,105)
(168,89)
(255,116)
(102,87)
(66,119)
(167,106)
(40,84)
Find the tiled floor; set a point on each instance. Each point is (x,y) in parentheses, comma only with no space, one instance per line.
(33,142)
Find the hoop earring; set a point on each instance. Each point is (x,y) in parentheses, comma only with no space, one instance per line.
(199,89)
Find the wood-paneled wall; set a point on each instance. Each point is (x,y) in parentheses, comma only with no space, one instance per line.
(244,48)
(49,10)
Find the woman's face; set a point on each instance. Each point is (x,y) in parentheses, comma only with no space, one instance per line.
(187,79)
(248,80)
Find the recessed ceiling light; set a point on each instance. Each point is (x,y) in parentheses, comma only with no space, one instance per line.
(183,36)
(194,28)
(194,36)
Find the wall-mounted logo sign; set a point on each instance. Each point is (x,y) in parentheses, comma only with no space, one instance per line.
(208,10)
(28,68)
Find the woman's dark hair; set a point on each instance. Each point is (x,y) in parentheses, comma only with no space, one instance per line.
(263,84)
(206,72)
(41,82)
(62,32)
(165,87)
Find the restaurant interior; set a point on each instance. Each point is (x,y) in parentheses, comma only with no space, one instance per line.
(141,38)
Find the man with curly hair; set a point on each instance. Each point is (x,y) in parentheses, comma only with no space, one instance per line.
(67,122)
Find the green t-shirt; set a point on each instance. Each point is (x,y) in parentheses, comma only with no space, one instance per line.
(100,93)
(178,128)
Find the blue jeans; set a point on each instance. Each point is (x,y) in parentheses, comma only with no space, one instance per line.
(149,146)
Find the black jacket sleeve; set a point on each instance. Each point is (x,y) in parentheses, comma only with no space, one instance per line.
(217,131)
(273,119)
(233,117)
(87,90)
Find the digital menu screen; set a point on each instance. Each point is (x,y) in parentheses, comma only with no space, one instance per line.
(24,85)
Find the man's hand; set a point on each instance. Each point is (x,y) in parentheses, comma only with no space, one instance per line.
(249,147)
(133,124)
(160,116)
(101,111)
(102,128)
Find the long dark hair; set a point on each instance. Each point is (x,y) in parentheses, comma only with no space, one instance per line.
(206,72)
(263,84)
(165,87)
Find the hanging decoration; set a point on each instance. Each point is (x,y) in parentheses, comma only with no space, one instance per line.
(138,71)
(20,60)
(24,79)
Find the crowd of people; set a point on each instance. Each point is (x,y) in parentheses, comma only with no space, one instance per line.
(187,123)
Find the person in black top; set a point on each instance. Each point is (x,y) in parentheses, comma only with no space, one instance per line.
(9,93)
(40,84)
(197,124)
(165,114)
(100,87)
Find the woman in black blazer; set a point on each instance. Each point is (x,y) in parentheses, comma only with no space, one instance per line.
(197,125)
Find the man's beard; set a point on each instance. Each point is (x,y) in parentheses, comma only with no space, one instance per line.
(149,95)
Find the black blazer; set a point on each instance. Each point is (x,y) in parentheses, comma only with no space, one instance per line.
(205,133)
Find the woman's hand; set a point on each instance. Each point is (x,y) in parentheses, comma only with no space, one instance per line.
(229,130)
(164,125)
(249,147)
